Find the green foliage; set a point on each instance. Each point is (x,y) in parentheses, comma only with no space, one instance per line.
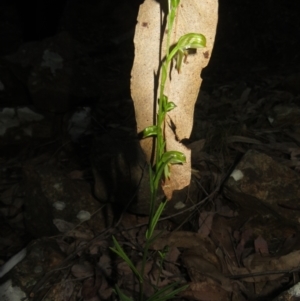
(168,158)
(163,158)
(155,218)
(150,131)
(186,42)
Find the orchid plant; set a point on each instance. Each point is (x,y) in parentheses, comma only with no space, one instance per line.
(163,159)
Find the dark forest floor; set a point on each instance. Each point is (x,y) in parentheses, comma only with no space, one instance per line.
(239,240)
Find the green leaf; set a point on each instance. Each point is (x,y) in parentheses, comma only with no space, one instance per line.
(151,177)
(166,105)
(191,40)
(163,102)
(170,157)
(179,59)
(167,172)
(173,157)
(118,250)
(150,131)
(155,219)
(185,42)
(170,106)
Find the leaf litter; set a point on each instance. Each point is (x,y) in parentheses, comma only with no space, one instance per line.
(224,251)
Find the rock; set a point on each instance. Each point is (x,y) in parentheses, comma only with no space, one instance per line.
(262,185)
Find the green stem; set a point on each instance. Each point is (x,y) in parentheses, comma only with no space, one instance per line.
(160,148)
(156,175)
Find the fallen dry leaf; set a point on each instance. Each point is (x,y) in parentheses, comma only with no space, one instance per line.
(126,276)
(245,237)
(261,246)
(105,265)
(63,226)
(224,210)
(68,289)
(221,235)
(203,291)
(105,290)
(205,222)
(82,270)
(170,260)
(200,269)
(182,239)
(83,234)
(90,289)
(192,16)
(259,265)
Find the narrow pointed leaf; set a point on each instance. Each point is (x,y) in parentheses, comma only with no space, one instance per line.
(151,177)
(155,219)
(119,250)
